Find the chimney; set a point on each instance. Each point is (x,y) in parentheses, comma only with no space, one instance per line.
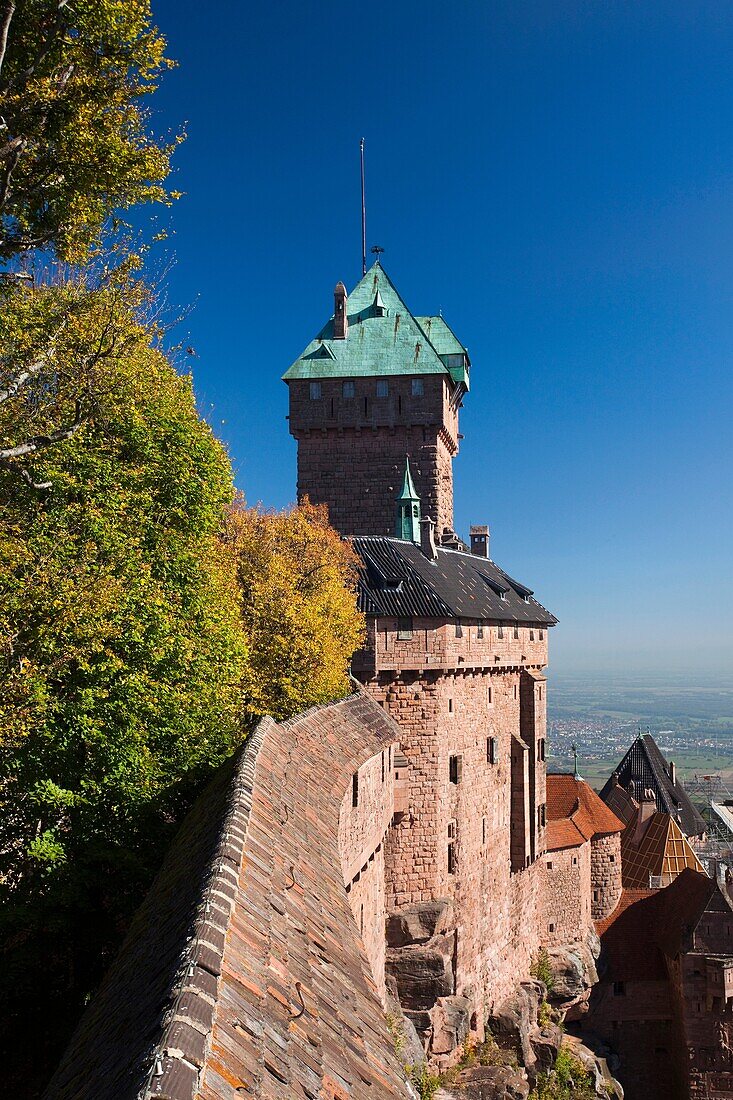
(673,773)
(647,809)
(340,320)
(427,538)
(480,540)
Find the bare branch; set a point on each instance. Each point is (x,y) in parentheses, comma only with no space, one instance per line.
(41,442)
(31,371)
(7,16)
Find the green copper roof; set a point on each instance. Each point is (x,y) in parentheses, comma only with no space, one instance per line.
(441,336)
(407,525)
(408,486)
(383,338)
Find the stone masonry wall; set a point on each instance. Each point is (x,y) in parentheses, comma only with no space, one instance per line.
(364,819)
(454,842)
(605,874)
(351,451)
(567,895)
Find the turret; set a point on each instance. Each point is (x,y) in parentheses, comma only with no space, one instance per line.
(408,510)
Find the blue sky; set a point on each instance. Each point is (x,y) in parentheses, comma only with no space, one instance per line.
(558,178)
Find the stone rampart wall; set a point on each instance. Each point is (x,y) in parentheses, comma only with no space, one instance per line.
(567,895)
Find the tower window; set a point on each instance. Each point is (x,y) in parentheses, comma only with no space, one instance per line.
(542,635)
(418,388)
(355,789)
(492,750)
(404,630)
(479,631)
(314,389)
(516,632)
(349,389)
(382,388)
(531,635)
(459,630)
(451,858)
(455,769)
(500,631)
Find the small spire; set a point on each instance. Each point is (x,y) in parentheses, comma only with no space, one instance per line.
(408,509)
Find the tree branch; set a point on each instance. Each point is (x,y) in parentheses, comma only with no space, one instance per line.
(4,28)
(20,379)
(40,442)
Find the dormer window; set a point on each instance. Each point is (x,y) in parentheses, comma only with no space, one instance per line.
(382,388)
(314,390)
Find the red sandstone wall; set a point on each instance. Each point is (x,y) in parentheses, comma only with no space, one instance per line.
(362,835)
(567,891)
(436,644)
(351,451)
(605,874)
(444,714)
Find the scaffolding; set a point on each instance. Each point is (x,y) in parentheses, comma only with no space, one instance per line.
(716,806)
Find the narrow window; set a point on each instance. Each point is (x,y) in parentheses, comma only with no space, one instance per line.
(492,750)
(355,789)
(362,920)
(550,927)
(542,635)
(459,629)
(541,749)
(382,388)
(383,767)
(418,389)
(404,630)
(489,696)
(515,691)
(483,831)
(500,631)
(314,390)
(549,865)
(332,408)
(451,858)
(366,406)
(480,630)
(575,861)
(348,389)
(455,769)
(531,635)
(450,706)
(611,859)
(516,632)
(399,404)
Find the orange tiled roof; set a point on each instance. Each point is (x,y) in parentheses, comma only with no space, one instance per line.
(663,851)
(575,813)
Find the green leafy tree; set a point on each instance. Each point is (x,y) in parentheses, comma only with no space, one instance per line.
(122,648)
(75,140)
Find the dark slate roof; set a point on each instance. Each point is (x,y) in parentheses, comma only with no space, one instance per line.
(645,765)
(397,579)
(243,971)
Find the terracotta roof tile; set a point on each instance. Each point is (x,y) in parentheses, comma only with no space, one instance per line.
(243,969)
(570,801)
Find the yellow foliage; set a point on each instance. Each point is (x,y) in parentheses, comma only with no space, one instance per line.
(298,583)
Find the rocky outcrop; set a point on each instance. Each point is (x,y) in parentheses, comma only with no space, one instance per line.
(420,967)
(516,1029)
(487,1083)
(574,974)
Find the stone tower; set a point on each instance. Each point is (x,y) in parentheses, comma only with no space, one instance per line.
(375,386)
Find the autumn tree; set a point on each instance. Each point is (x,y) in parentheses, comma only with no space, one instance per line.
(297,580)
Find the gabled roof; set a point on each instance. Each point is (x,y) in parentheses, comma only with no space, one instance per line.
(575,813)
(661,851)
(441,335)
(398,579)
(645,765)
(376,345)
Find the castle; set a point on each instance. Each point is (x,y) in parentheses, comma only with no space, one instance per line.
(455,654)
(402,851)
